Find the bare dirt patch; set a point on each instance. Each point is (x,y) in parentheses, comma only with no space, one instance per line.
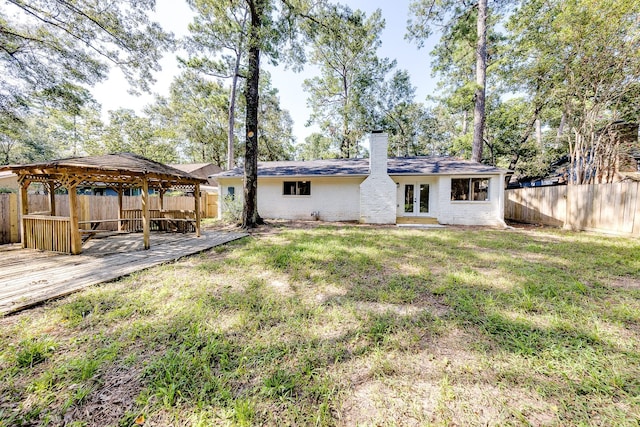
(625,282)
(109,403)
(433,306)
(446,382)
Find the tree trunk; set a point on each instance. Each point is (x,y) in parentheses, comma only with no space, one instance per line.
(232,122)
(481,77)
(465,115)
(560,128)
(250,217)
(539,135)
(232,112)
(345,125)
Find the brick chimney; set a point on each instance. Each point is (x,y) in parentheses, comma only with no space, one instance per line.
(378,145)
(378,191)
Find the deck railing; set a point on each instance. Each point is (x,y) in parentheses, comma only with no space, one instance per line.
(53,233)
(47,233)
(133,217)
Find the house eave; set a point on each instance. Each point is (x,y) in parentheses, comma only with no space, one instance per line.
(468,173)
(298,176)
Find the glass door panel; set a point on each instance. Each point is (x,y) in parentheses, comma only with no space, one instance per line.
(424,198)
(408,198)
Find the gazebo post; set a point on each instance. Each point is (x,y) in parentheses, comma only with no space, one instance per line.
(52,197)
(120,190)
(24,209)
(76,241)
(196,193)
(145,212)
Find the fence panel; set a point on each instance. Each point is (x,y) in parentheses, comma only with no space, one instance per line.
(211,205)
(538,205)
(9,225)
(610,208)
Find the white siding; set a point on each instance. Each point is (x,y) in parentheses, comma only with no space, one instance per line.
(335,199)
(339,199)
(458,212)
(223,191)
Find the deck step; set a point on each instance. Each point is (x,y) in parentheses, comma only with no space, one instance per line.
(416,220)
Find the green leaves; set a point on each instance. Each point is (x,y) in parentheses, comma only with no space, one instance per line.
(52,44)
(579,58)
(344,95)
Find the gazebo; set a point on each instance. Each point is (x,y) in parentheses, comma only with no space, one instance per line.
(45,230)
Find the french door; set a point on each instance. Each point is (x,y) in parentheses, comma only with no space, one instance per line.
(416,199)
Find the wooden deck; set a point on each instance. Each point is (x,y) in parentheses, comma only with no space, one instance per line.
(416,220)
(29,276)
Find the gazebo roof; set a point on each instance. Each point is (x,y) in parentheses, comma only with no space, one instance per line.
(125,169)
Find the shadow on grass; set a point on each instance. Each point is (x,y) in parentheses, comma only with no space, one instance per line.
(247,353)
(269,359)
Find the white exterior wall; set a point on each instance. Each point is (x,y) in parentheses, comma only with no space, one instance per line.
(334,198)
(378,191)
(223,191)
(459,212)
(434,191)
(342,199)
(9,180)
(378,200)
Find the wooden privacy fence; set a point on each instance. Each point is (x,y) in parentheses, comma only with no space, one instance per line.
(610,208)
(9,225)
(92,208)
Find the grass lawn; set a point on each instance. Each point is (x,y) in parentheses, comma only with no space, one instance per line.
(343,325)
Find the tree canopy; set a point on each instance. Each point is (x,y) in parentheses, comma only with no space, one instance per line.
(579,63)
(50,47)
(344,46)
(560,77)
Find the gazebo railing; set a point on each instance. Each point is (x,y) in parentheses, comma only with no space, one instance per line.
(47,233)
(134,218)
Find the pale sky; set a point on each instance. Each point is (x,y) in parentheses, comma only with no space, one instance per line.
(175,16)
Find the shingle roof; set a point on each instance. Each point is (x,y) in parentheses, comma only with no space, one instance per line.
(360,167)
(126,162)
(95,168)
(438,165)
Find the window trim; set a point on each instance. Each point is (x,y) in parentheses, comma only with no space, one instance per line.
(470,190)
(231,192)
(299,185)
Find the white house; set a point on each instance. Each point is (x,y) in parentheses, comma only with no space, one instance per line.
(9,181)
(378,190)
